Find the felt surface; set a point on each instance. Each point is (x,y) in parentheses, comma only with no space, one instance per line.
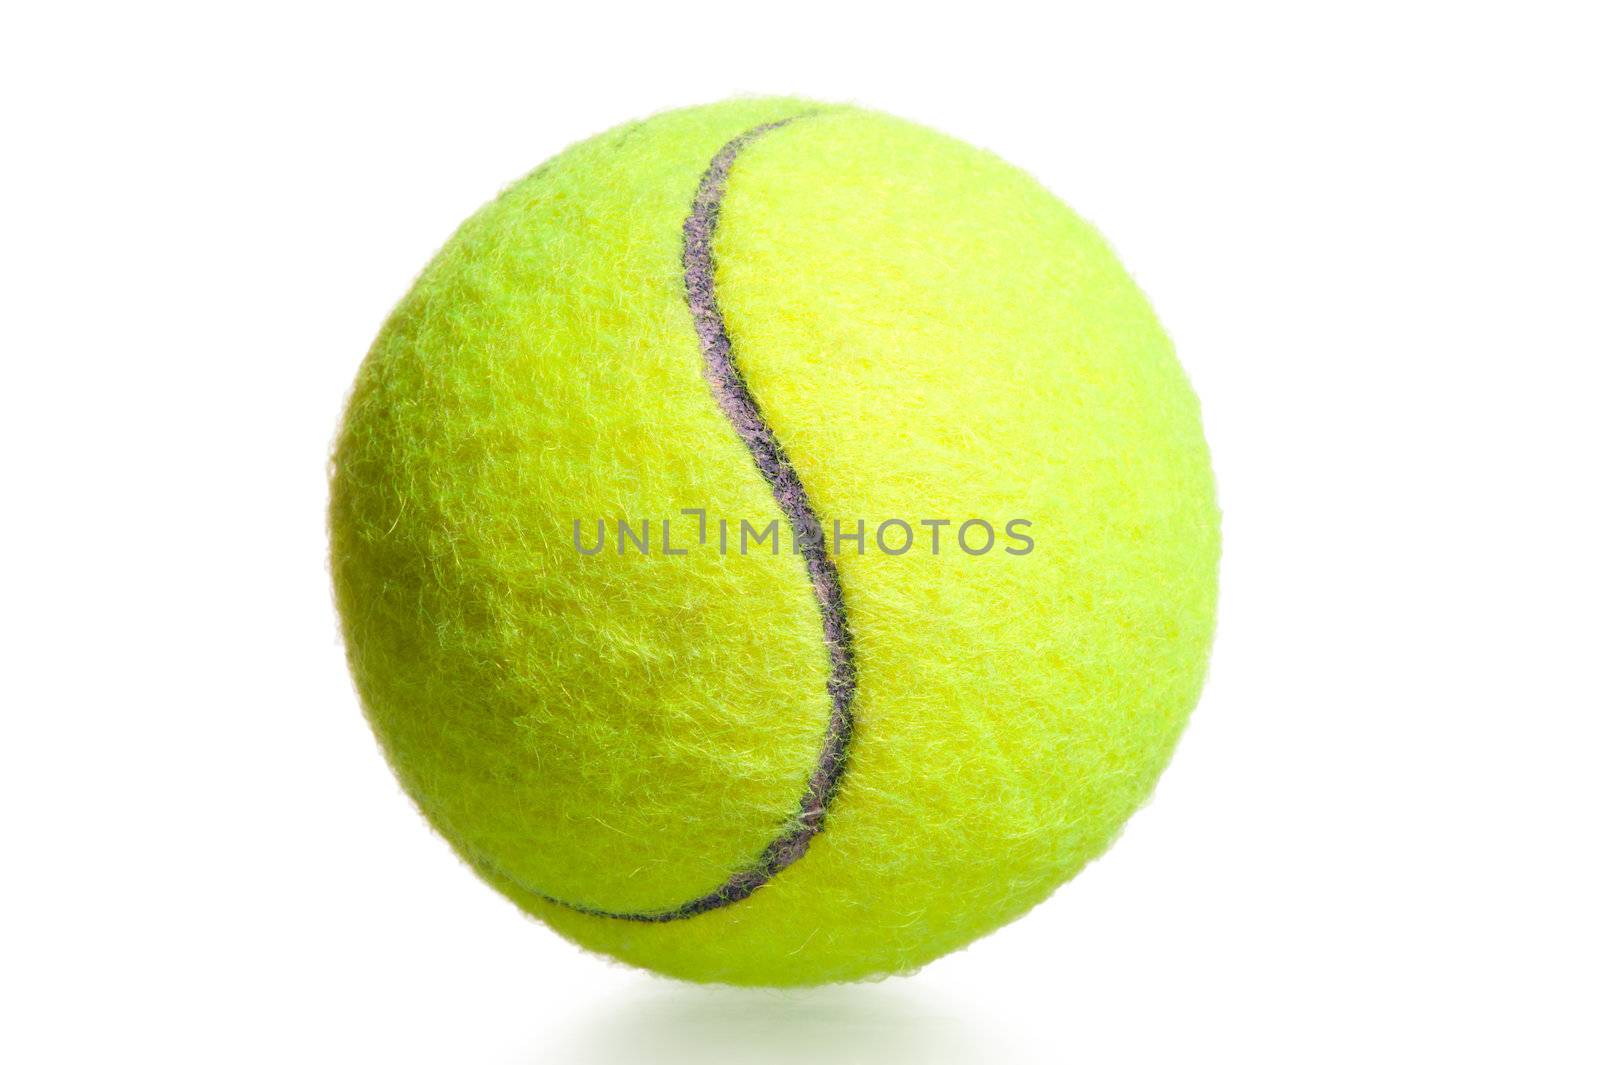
(931,335)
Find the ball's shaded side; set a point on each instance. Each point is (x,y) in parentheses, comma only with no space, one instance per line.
(925,334)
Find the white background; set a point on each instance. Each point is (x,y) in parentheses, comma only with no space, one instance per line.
(1372,232)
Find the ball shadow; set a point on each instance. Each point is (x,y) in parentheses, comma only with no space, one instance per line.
(670,1024)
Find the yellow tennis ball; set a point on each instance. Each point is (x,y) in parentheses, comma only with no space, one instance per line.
(775,543)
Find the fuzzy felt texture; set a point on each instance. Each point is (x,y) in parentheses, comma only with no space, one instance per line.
(930,335)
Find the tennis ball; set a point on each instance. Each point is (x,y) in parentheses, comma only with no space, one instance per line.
(775,543)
